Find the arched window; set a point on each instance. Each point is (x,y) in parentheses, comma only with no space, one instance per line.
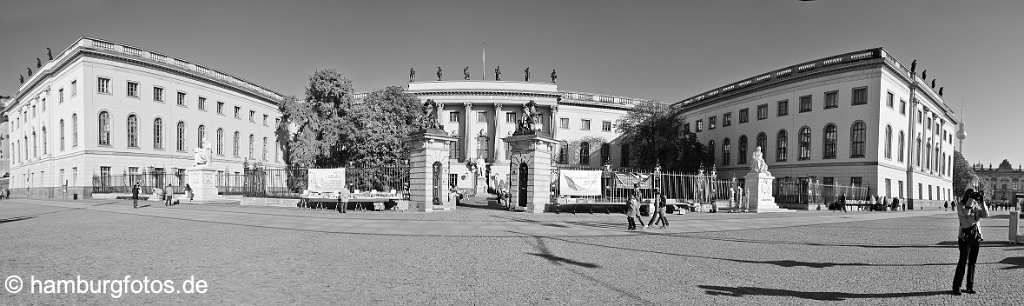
(181,136)
(61,132)
(726,147)
(35,145)
(781,142)
(220,141)
(252,140)
(264,157)
(829,142)
(858,137)
(133,131)
(104,124)
(200,134)
(899,148)
(711,150)
(584,153)
(236,144)
(606,153)
(762,141)
(45,142)
(888,141)
(804,143)
(742,157)
(74,130)
(482,146)
(158,133)
(927,155)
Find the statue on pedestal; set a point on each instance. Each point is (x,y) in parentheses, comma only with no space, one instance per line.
(526,74)
(527,124)
(554,76)
(49,54)
(203,156)
(430,116)
(758,165)
(412,75)
(39,63)
(438,73)
(465,73)
(497,73)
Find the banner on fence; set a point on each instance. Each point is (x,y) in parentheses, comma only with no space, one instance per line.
(626,180)
(579,182)
(326,180)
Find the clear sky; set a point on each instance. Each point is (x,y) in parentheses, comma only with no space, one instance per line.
(667,50)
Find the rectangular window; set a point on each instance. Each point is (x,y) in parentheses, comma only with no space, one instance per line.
(105,176)
(920,117)
(762,112)
(563,123)
(181,98)
(700,125)
(103,85)
(783,108)
(252,116)
(856,181)
(265,116)
(888,187)
(744,115)
(805,104)
(903,107)
(510,117)
(859,96)
(481,116)
(585,124)
(202,104)
(831,99)
(74,88)
(74,176)
(711,122)
(220,108)
(158,94)
(899,184)
(453,117)
(133,89)
(889,99)
(238,112)
(727,119)
(60,95)
(606,126)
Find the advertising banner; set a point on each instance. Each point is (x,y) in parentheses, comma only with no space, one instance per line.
(326,180)
(579,182)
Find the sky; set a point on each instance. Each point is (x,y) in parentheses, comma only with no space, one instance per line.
(666,50)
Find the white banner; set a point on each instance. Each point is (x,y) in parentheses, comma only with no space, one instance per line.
(326,180)
(579,182)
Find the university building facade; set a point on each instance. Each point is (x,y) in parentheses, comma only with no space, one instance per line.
(860,118)
(101,109)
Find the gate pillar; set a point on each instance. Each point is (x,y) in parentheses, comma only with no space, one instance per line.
(530,171)
(428,171)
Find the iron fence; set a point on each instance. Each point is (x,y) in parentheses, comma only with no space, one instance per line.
(616,185)
(148,181)
(808,191)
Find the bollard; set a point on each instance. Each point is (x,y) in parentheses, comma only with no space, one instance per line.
(1014,230)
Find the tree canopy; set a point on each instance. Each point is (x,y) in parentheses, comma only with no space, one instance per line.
(962,176)
(655,136)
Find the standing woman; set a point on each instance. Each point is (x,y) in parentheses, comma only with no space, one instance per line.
(969,211)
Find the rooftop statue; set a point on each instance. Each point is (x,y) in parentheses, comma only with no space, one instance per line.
(913,67)
(412,75)
(526,74)
(924,74)
(940,91)
(430,116)
(49,54)
(933,83)
(554,76)
(497,73)
(527,125)
(21,79)
(465,73)
(438,73)
(39,63)
(29,71)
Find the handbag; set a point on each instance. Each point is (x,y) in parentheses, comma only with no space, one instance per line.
(970,234)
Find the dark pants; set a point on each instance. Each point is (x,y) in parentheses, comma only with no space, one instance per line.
(632,223)
(135,201)
(167,200)
(342,206)
(658,216)
(968,256)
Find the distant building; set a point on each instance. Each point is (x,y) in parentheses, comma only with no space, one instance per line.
(1006,182)
(101,114)
(860,118)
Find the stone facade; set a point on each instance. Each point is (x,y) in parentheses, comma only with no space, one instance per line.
(1006,181)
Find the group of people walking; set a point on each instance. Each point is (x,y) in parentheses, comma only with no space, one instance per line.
(633,209)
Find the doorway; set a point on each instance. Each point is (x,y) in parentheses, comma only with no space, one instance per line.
(524,172)
(437,183)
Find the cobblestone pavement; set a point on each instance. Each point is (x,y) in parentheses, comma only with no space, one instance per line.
(255,255)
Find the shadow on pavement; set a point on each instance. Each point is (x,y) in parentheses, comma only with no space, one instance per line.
(943,244)
(810,295)
(521,220)
(14,219)
(1017,262)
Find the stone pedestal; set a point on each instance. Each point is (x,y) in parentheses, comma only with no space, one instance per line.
(758,187)
(428,171)
(530,171)
(204,184)
(480,187)
(1014,228)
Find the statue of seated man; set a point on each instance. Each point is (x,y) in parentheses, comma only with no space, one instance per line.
(758,165)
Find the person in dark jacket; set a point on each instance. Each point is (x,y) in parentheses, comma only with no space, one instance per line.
(135,195)
(660,204)
(969,237)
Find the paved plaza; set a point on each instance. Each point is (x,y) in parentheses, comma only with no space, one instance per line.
(258,255)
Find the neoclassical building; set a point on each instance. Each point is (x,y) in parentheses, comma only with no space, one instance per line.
(860,118)
(100,109)
(1006,182)
(481,113)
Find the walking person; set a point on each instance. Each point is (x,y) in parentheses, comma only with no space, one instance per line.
(633,212)
(168,195)
(660,203)
(842,202)
(188,193)
(135,195)
(969,215)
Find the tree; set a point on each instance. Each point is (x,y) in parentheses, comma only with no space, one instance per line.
(318,122)
(655,136)
(381,125)
(963,175)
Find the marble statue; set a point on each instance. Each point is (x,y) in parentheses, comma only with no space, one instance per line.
(203,156)
(497,73)
(479,167)
(465,73)
(430,115)
(412,75)
(554,76)
(526,74)
(438,73)
(528,121)
(758,165)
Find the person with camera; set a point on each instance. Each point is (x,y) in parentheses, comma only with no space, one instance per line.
(970,211)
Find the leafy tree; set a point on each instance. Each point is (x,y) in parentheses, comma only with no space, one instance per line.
(380,127)
(315,128)
(655,136)
(963,174)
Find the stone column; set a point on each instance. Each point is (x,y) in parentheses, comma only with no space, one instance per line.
(469,135)
(499,132)
(553,126)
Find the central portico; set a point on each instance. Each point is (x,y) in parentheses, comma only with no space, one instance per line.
(482,113)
